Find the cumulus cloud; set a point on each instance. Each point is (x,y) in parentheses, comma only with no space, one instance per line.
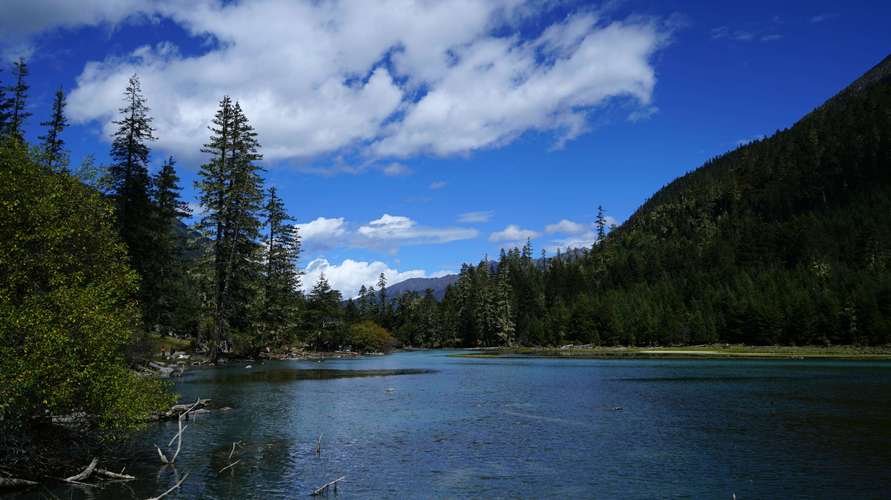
(578,235)
(476,217)
(350,275)
(386,233)
(390,78)
(513,233)
(401,228)
(323,233)
(567,226)
(22,19)
(396,169)
(438,185)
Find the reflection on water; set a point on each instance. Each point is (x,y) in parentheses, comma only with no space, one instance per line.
(285,374)
(422,424)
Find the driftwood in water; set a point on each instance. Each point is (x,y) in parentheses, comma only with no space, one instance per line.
(115,475)
(84,474)
(179,434)
(229,459)
(228,466)
(323,488)
(12,483)
(175,486)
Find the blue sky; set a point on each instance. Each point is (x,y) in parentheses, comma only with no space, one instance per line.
(409,137)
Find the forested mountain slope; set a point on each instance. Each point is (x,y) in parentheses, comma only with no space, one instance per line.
(787,239)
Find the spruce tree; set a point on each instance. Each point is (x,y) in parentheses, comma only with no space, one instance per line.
(129,178)
(324,316)
(164,295)
(281,277)
(17,112)
(601,224)
(54,156)
(232,194)
(384,306)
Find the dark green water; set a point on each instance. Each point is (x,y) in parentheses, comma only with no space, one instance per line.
(438,426)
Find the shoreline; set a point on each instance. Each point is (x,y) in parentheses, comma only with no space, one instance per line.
(850,353)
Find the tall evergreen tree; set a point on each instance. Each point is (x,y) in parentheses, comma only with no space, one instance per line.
(600,223)
(166,288)
(281,280)
(17,112)
(384,305)
(129,178)
(324,316)
(54,156)
(232,194)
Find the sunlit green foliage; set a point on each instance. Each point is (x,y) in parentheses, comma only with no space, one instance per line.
(67,308)
(368,336)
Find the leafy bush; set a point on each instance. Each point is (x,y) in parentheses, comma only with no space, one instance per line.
(368,336)
(67,307)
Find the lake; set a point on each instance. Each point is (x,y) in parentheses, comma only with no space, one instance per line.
(424,424)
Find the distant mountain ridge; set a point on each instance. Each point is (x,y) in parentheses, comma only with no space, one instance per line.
(421,285)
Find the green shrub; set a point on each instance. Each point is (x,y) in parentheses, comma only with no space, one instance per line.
(67,307)
(368,336)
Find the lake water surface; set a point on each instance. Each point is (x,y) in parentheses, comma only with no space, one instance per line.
(444,426)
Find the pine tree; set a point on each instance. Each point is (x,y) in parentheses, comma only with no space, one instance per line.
(601,224)
(281,278)
(164,298)
(324,321)
(54,156)
(384,305)
(232,194)
(129,178)
(18,113)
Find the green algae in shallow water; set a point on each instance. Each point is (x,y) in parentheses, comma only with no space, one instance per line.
(230,376)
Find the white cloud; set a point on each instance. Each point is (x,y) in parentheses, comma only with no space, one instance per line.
(823,17)
(579,235)
(583,240)
(642,114)
(322,233)
(389,78)
(498,88)
(476,217)
(350,275)
(513,233)
(24,18)
(387,233)
(403,229)
(395,169)
(438,185)
(567,227)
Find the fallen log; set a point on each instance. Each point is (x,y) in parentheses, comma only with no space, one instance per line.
(115,475)
(84,474)
(321,489)
(12,483)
